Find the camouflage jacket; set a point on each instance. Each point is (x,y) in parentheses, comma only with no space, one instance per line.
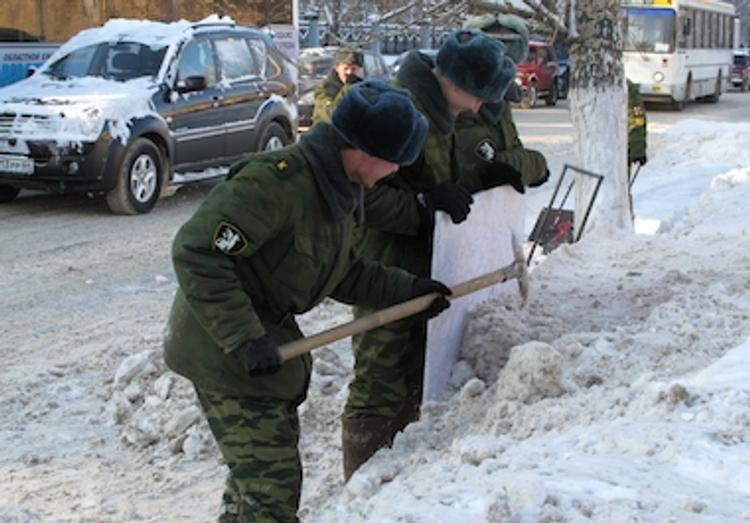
(328,94)
(265,245)
(636,124)
(491,136)
(393,231)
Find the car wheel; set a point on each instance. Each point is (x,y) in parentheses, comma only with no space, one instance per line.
(273,138)
(8,193)
(138,179)
(531,96)
(552,95)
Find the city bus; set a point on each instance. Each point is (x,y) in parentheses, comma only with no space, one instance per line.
(679,50)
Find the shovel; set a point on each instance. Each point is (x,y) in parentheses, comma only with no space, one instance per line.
(516,270)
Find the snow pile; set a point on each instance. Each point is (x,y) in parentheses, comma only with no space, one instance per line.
(157,409)
(611,397)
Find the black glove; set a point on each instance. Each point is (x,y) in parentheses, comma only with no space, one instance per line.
(352,79)
(422,286)
(641,160)
(541,180)
(498,173)
(259,356)
(449,197)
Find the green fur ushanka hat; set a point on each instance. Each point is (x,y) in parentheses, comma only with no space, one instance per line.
(476,63)
(382,121)
(509,29)
(349,56)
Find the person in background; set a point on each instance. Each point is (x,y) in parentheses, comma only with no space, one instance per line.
(346,72)
(487,142)
(271,242)
(636,134)
(386,391)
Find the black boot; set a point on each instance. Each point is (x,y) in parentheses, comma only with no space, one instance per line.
(363,437)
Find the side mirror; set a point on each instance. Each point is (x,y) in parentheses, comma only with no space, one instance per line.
(191,84)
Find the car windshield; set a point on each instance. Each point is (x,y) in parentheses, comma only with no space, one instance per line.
(650,30)
(740,60)
(315,63)
(116,60)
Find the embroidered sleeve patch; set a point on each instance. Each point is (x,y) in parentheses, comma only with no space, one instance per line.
(229,239)
(486,150)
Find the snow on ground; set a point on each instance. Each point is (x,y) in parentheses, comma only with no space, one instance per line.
(619,393)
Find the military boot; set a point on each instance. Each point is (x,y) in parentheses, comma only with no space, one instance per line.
(361,438)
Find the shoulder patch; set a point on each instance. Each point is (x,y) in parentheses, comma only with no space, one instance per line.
(486,150)
(281,165)
(229,239)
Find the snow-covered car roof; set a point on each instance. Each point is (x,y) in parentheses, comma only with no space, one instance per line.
(147,32)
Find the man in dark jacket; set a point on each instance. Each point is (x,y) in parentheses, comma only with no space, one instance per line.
(271,242)
(385,394)
(346,72)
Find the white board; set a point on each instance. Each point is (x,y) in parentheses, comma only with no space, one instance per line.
(479,245)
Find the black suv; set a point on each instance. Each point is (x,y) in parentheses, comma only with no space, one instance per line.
(133,106)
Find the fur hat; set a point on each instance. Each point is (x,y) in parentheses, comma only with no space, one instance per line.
(476,63)
(382,121)
(509,29)
(349,56)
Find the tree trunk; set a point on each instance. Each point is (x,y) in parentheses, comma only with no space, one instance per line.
(598,106)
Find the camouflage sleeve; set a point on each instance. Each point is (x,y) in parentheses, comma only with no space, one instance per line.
(324,105)
(371,284)
(236,218)
(530,163)
(392,209)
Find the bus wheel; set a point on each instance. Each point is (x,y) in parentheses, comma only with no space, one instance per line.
(717,91)
(678,105)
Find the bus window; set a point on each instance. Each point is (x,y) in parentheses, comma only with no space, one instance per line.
(650,30)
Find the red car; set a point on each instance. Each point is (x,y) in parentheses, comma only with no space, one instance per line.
(537,75)
(741,70)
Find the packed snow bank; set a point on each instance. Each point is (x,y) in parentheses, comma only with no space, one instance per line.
(618,394)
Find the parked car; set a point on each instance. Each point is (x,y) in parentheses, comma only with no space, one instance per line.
(563,71)
(537,75)
(396,64)
(314,65)
(127,108)
(741,70)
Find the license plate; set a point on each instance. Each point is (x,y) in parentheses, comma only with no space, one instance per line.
(656,88)
(16,165)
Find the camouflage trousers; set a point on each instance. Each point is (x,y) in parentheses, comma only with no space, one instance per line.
(258,442)
(388,369)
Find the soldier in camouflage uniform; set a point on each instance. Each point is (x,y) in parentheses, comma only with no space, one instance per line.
(636,126)
(487,141)
(271,242)
(636,132)
(385,394)
(346,72)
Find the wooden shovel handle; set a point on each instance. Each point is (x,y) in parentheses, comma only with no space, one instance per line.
(395,312)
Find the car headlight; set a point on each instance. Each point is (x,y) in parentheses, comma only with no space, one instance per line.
(87,121)
(658,77)
(518,80)
(308,98)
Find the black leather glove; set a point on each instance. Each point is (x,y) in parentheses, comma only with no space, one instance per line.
(449,197)
(259,356)
(641,160)
(353,79)
(541,180)
(422,286)
(498,173)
